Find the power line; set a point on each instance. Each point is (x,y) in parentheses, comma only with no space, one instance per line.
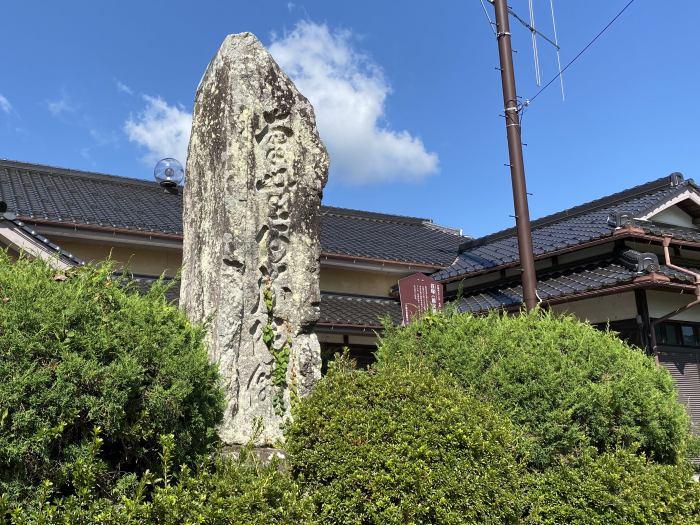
(618,15)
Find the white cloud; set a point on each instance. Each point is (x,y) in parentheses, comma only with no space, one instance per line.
(85,153)
(102,139)
(348,91)
(5,105)
(60,105)
(162,129)
(123,88)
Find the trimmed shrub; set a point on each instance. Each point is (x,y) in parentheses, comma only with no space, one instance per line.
(402,445)
(568,385)
(79,351)
(221,492)
(614,488)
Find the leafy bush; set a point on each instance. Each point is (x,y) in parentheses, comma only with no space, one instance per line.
(402,445)
(222,492)
(565,383)
(79,351)
(616,488)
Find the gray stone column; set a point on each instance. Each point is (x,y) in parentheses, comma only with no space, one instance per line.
(256,169)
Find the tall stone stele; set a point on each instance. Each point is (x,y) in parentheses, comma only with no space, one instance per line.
(256,169)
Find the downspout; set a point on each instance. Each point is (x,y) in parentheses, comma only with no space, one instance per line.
(695,275)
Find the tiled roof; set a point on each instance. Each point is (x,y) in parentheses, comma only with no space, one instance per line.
(571,227)
(336,309)
(75,197)
(586,278)
(43,193)
(684,234)
(357,310)
(387,237)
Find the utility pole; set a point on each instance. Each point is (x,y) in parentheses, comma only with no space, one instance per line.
(515,152)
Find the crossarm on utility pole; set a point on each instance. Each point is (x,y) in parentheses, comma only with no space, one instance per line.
(529,27)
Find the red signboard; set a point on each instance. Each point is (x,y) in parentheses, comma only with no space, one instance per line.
(419,293)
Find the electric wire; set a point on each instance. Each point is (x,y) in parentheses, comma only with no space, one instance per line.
(618,15)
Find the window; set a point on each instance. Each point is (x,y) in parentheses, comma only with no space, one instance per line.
(688,335)
(666,334)
(678,334)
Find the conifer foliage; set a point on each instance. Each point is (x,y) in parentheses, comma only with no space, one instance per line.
(78,350)
(109,407)
(566,384)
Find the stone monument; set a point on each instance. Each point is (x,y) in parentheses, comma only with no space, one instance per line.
(256,169)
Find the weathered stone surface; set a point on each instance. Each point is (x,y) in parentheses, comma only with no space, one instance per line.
(255,174)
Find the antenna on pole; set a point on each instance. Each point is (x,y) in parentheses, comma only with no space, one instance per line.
(537,33)
(513,114)
(533,33)
(515,153)
(556,43)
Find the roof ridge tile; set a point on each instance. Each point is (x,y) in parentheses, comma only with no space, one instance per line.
(81,174)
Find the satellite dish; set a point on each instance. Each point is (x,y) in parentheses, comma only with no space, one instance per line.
(169,173)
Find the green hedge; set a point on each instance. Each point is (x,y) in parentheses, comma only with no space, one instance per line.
(502,420)
(78,351)
(616,488)
(568,385)
(222,492)
(402,445)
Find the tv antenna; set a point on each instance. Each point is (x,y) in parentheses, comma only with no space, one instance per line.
(534,32)
(512,115)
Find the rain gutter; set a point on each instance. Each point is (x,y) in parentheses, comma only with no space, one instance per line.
(692,304)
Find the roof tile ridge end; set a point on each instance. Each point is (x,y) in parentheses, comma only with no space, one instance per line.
(456,232)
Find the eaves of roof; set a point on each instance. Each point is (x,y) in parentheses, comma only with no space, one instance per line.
(357,311)
(597,278)
(653,234)
(43,243)
(103,228)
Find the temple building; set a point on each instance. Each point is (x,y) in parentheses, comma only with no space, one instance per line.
(627,261)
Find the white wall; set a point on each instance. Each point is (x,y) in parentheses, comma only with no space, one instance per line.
(662,303)
(674,215)
(601,309)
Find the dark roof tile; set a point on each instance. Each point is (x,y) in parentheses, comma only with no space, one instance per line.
(585,278)
(37,192)
(356,310)
(62,254)
(578,225)
(336,309)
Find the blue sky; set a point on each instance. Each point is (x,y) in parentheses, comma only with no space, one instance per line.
(406,94)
